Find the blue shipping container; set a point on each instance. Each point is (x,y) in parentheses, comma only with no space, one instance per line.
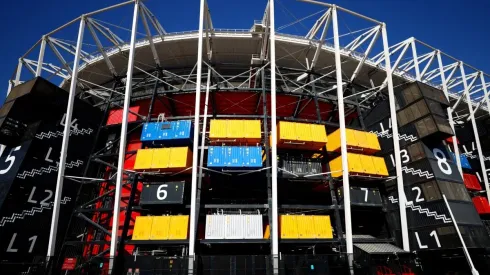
(172,132)
(464,161)
(235,156)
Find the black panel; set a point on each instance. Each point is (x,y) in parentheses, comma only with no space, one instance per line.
(301,167)
(363,196)
(163,193)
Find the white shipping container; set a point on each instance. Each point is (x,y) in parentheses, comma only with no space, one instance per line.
(215,227)
(234,227)
(252,225)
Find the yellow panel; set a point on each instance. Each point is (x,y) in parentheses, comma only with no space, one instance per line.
(287,131)
(318,133)
(267,232)
(333,141)
(218,129)
(372,142)
(380,166)
(306,227)
(289,227)
(351,138)
(235,129)
(303,132)
(323,227)
(178,157)
(252,130)
(144,158)
(368,166)
(361,140)
(336,167)
(160,228)
(178,227)
(355,163)
(142,228)
(160,158)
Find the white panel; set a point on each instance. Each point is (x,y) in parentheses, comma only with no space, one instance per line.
(234,227)
(215,227)
(252,225)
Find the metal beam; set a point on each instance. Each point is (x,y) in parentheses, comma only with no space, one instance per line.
(41,56)
(123,137)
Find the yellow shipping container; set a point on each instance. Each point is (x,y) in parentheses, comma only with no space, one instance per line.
(357,142)
(180,157)
(380,165)
(287,131)
(267,232)
(289,227)
(368,165)
(144,158)
(142,228)
(318,133)
(235,131)
(178,227)
(306,227)
(323,227)
(218,129)
(301,135)
(372,142)
(252,131)
(160,158)
(160,228)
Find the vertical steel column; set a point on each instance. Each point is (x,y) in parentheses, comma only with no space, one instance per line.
(415,59)
(18,73)
(192,224)
(449,112)
(343,142)
(64,145)
(475,129)
(41,56)
(122,141)
(396,142)
(272,55)
(485,94)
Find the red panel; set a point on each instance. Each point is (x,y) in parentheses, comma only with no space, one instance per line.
(115,115)
(239,103)
(481,205)
(450,140)
(471,182)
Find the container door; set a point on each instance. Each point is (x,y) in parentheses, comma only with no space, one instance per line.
(289,227)
(218,129)
(252,131)
(303,223)
(234,227)
(318,135)
(303,134)
(235,156)
(372,143)
(178,228)
(252,226)
(368,166)
(287,131)
(215,227)
(255,158)
(355,164)
(380,165)
(178,157)
(161,158)
(147,134)
(142,228)
(351,138)
(323,227)
(236,130)
(164,130)
(144,158)
(160,228)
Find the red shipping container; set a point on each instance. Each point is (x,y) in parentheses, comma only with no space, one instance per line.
(115,115)
(471,182)
(481,205)
(450,140)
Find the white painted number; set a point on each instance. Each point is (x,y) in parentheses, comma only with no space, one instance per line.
(9,159)
(162,193)
(33,240)
(433,233)
(442,161)
(419,192)
(43,202)
(366,192)
(404,155)
(11,248)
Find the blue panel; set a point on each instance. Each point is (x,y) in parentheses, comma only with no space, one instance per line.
(216,156)
(464,161)
(252,156)
(169,132)
(235,156)
(182,129)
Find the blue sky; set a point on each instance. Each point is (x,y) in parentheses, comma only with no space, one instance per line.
(457,27)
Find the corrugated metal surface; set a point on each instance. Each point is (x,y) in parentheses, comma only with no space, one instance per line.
(471,182)
(376,248)
(380,166)
(304,136)
(215,227)
(235,131)
(161,158)
(234,227)
(253,130)
(323,227)
(144,158)
(178,228)
(142,228)
(289,227)
(217,129)
(357,142)
(253,227)
(481,205)
(167,131)
(301,167)
(306,227)
(160,228)
(216,156)
(368,166)
(235,156)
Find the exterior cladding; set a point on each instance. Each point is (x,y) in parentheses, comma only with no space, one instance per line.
(161,228)
(305,227)
(234,227)
(428,171)
(29,171)
(298,167)
(235,156)
(173,132)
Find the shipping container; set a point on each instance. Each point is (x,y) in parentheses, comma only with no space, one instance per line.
(234,227)
(359,165)
(464,161)
(446,237)
(300,167)
(215,227)
(289,227)
(144,159)
(471,182)
(235,131)
(179,227)
(170,159)
(293,135)
(323,227)
(162,193)
(357,142)
(142,228)
(362,196)
(253,228)
(160,228)
(173,132)
(481,205)
(306,227)
(235,156)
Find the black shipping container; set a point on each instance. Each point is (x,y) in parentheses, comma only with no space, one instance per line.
(162,193)
(362,196)
(446,237)
(301,167)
